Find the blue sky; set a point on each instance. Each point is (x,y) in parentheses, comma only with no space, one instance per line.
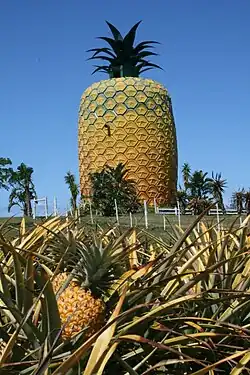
(43,71)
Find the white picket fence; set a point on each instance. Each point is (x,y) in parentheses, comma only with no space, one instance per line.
(42,203)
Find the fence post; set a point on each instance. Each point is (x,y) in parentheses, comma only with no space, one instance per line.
(131,219)
(79,215)
(34,210)
(135,220)
(240,221)
(46,207)
(116,212)
(164,222)
(90,212)
(217,215)
(67,213)
(55,206)
(146,214)
(179,213)
(155,205)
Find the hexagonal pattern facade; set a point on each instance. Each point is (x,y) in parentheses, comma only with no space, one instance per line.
(129,120)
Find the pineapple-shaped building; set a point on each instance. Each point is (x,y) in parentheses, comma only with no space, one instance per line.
(128,119)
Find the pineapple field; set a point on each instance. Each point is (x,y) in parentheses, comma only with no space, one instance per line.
(102,301)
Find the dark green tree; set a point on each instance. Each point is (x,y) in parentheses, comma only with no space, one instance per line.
(122,58)
(112,184)
(199,185)
(182,194)
(186,174)
(5,172)
(23,189)
(238,200)
(70,180)
(217,187)
(183,199)
(247,202)
(199,191)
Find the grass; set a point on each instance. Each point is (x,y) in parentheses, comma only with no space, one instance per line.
(155,222)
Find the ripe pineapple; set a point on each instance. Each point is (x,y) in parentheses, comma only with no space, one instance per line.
(86,275)
(129,119)
(78,308)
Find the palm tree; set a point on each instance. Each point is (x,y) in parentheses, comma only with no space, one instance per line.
(70,180)
(112,184)
(238,200)
(5,172)
(186,174)
(199,189)
(23,189)
(247,202)
(183,199)
(217,188)
(199,185)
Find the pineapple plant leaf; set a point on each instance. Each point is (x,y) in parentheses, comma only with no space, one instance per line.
(103,341)
(124,59)
(202,322)
(116,33)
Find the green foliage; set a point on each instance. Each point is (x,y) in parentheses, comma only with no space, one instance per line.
(70,180)
(199,185)
(241,201)
(110,184)
(217,187)
(200,190)
(5,172)
(183,198)
(247,202)
(123,58)
(176,308)
(238,200)
(186,174)
(23,189)
(29,313)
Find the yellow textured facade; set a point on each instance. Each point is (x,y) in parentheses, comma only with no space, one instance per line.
(129,120)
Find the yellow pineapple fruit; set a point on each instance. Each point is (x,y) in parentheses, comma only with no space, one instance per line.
(78,308)
(128,119)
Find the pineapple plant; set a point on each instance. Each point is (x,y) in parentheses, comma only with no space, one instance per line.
(86,275)
(128,119)
(79,309)
(65,290)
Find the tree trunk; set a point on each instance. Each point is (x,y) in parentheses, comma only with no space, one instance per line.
(25,210)
(28,208)
(221,203)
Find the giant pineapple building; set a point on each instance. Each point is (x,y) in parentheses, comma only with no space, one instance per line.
(129,119)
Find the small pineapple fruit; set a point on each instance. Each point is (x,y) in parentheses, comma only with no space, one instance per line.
(78,308)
